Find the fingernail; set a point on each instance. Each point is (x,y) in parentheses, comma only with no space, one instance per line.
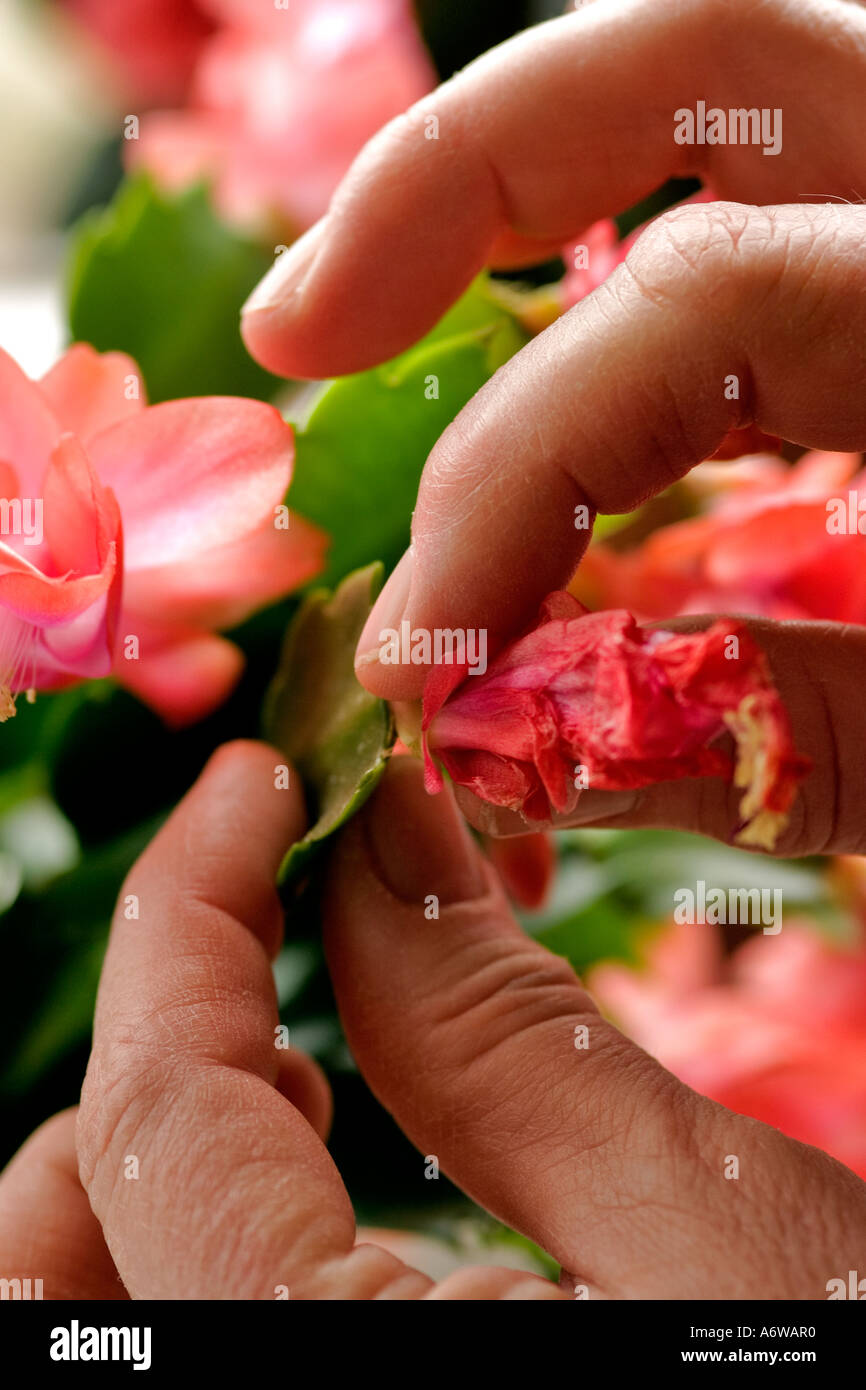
(420,845)
(387,612)
(288,272)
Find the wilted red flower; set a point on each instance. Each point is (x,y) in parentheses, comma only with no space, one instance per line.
(776,1031)
(591,699)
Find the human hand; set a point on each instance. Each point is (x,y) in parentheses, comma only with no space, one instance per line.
(483,1045)
(568,122)
(200,1144)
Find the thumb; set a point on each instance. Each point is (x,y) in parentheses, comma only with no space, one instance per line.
(492,1057)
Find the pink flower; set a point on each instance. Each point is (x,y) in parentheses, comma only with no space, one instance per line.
(596,253)
(282,102)
(154,44)
(130,532)
(776,1031)
(590,699)
(767,544)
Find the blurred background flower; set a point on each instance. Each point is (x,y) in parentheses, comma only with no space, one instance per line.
(149,47)
(757,542)
(775,1029)
(281,101)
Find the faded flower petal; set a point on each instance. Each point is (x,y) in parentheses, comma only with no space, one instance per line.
(592,700)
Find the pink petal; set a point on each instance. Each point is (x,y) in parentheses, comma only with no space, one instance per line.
(88,390)
(221,587)
(80,518)
(46,599)
(193,475)
(28,428)
(632,707)
(83,646)
(184,682)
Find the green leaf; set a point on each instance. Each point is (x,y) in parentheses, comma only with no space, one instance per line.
(362,448)
(603,931)
(51,942)
(648,866)
(583,919)
(334,731)
(59,1020)
(160,277)
(609,523)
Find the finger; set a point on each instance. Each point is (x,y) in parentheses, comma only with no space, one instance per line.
(722,315)
(207,1183)
(303,1083)
(48,1233)
(568,122)
(488,1284)
(819,670)
(493,1059)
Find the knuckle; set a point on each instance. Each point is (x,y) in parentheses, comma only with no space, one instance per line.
(122,1089)
(731,263)
(690,252)
(501,999)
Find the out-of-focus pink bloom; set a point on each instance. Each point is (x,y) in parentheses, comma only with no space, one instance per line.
(597,252)
(776,1031)
(282,102)
(121,522)
(153,44)
(592,700)
(589,260)
(766,545)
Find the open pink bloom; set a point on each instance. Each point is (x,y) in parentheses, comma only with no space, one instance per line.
(776,1031)
(282,101)
(775,541)
(130,533)
(591,699)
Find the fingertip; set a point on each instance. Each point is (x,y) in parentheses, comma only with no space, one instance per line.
(273,338)
(383,662)
(392,683)
(303,1083)
(224,843)
(273,314)
(238,757)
